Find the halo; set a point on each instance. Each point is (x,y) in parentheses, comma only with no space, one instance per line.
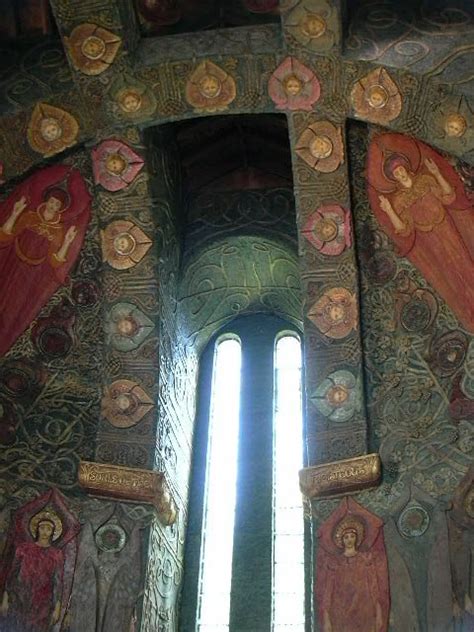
(50,516)
(349,523)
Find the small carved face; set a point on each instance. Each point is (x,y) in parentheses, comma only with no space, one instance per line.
(124,244)
(313,25)
(50,129)
(127,327)
(293,86)
(336,312)
(401,174)
(320,147)
(326,229)
(124,402)
(337,395)
(377,96)
(455,125)
(115,164)
(349,539)
(130,101)
(93,47)
(45,531)
(210,86)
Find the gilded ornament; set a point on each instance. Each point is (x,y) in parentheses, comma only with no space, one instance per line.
(293,86)
(335,313)
(340,477)
(312,24)
(329,229)
(51,129)
(125,403)
(129,484)
(376,97)
(124,244)
(321,146)
(92,48)
(115,164)
(210,88)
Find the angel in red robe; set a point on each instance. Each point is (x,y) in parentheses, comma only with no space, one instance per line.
(352,593)
(42,227)
(36,570)
(420,203)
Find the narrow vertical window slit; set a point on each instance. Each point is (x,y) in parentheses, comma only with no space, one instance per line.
(220,494)
(288,524)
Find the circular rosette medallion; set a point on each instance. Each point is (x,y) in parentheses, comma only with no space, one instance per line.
(413,521)
(115,165)
(125,403)
(92,48)
(110,538)
(329,229)
(294,86)
(376,97)
(335,313)
(338,397)
(321,146)
(124,244)
(447,352)
(51,129)
(210,88)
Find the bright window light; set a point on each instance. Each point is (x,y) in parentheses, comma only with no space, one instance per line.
(288,524)
(220,495)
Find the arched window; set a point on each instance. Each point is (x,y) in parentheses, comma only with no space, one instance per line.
(244,562)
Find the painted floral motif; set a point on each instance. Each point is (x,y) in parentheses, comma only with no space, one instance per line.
(115,165)
(92,48)
(338,397)
(416,307)
(448,352)
(321,146)
(124,244)
(210,88)
(376,97)
(127,327)
(125,403)
(329,229)
(335,313)
(132,98)
(413,521)
(53,335)
(51,129)
(293,86)
(311,23)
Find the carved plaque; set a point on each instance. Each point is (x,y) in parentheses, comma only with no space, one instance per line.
(340,477)
(129,484)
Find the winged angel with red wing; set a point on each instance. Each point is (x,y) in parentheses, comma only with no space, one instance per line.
(42,227)
(420,203)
